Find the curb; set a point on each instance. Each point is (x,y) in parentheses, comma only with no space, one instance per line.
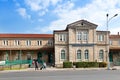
(58,69)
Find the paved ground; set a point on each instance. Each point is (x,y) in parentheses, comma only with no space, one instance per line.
(60,69)
(61,74)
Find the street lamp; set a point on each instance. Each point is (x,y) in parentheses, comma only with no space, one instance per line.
(107,39)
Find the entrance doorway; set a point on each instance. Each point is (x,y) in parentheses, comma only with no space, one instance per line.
(50,59)
(39,57)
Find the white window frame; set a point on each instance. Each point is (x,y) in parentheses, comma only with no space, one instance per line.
(16,42)
(5,42)
(79,52)
(110,42)
(85,35)
(50,42)
(39,42)
(82,35)
(62,37)
(100,37)
(61,55)
(86,53)
(79,35)
(101,55)
(28,42)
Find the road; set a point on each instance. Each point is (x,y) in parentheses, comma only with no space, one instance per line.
(62,75)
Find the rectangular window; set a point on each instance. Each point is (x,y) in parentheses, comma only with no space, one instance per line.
(28,42)
(100,37)
(16,42)
(50,43)
(110,42)
(5,42)
(85,35)
(62,55)
(62,37)
(39,42)
(82,35)
(79,35)
(86,55)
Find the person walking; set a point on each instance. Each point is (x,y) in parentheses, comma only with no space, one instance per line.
(43,65)
(36,64)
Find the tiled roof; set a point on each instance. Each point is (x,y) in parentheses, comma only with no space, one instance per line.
(26,35)
(114,36)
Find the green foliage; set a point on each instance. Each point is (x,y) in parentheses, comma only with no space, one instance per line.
(67,65)
(102,64)
(86,64)
(74,63)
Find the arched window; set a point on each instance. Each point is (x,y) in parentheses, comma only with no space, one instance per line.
(78,54)
(63,56)
(86,54)
(101,55)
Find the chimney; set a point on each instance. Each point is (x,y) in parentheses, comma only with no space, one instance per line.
(118,33)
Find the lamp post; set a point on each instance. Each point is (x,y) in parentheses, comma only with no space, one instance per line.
(107,39)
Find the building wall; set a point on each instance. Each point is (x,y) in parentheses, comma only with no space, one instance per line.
(115,49)
(92,44)
(13,51)
(96,41)
(11,43)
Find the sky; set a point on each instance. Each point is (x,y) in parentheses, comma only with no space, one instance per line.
(44,16)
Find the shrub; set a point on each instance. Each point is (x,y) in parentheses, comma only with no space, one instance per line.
(102,64)
(74,63)
(67,65)
(86,64)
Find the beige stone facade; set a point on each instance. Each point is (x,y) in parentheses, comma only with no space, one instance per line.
(26,46)
(115,49)
(80,41)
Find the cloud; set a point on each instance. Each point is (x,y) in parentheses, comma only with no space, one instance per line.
(115,30)
(36,5)
(94,12)
(55,2)
(41,6)
(22,12)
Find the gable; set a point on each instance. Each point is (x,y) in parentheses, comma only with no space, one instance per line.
(82,24)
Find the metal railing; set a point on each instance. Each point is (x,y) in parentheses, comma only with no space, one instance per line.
(17,62)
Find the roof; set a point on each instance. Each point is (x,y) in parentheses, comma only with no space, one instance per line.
(114,36)
(60,30)
(82,23)
(26,35)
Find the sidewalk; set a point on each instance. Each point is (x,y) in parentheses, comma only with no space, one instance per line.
(61,69)
(53,69)
(56,69)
